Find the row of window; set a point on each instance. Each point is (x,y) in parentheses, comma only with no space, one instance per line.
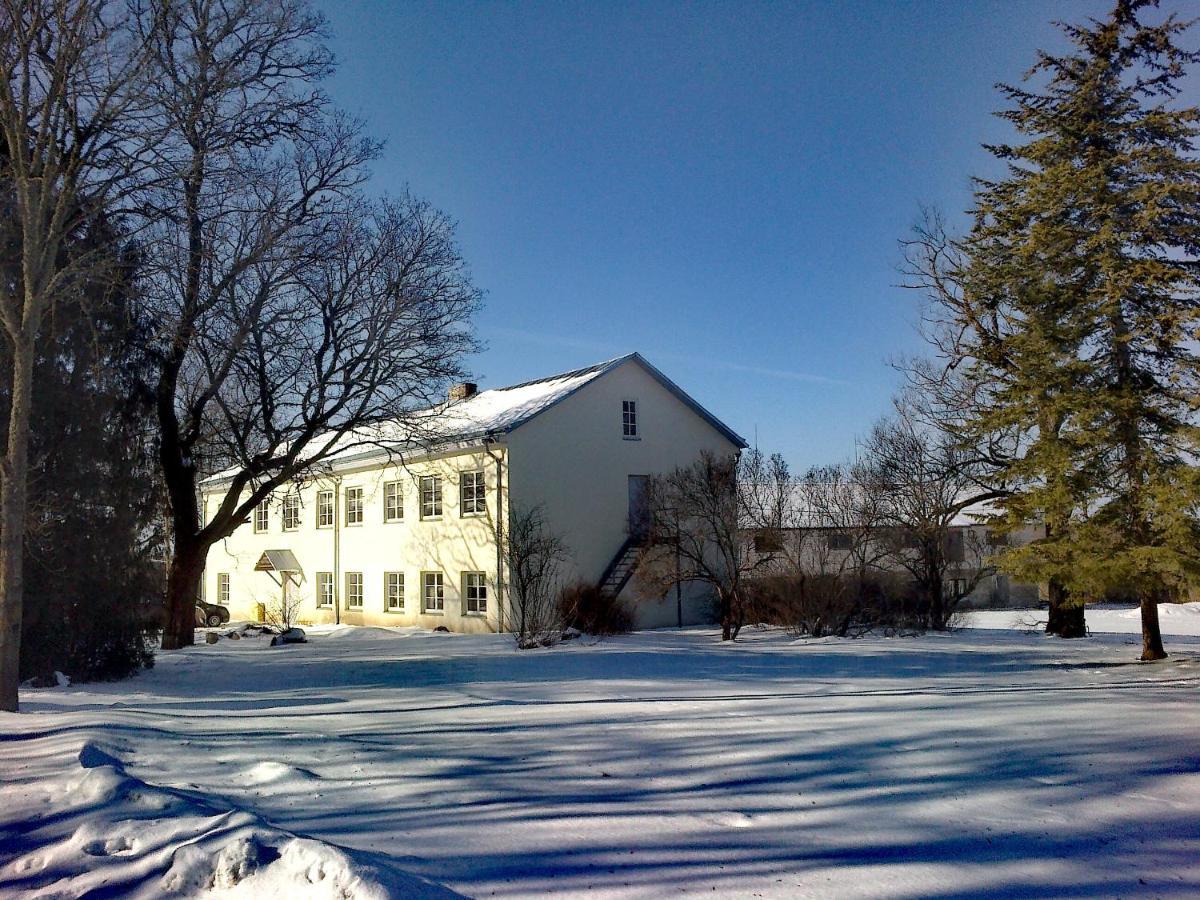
(472,501)
(433,591)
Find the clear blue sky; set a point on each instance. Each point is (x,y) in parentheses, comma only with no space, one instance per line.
(720,186)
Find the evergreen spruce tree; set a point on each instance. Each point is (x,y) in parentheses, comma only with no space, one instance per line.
(93,542)
(1082,301)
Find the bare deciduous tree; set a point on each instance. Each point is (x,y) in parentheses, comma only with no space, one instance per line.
(293,318)
(534,556)
(68,90)
(703,526)
(968,380)
(925,481)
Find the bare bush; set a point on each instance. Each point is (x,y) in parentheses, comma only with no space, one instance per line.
(282,612)
(534,557)
(585,607)
(704,522)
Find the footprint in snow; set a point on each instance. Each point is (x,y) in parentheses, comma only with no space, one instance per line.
(114,846)
(732,820)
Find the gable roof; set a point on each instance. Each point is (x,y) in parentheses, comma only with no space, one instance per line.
(492,412)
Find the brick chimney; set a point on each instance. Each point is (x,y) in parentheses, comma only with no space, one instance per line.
(462,391)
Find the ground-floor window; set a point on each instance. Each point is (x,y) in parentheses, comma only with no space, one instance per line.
(354,590)
(324,589)
(433,592)
(474,593)
(223,588)
(393,591)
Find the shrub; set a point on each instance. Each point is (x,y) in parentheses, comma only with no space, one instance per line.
(101,639)
(585,607)
(837,605)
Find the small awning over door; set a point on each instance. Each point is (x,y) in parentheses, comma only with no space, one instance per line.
(283,561)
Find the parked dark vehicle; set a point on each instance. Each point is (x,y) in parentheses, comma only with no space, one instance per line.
(211,614)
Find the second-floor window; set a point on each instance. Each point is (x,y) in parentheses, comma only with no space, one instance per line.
(291,512)
(629,421)
(324,589)
(354,506)
(354,590)
(325,509)
(431,496)
(393,502)
(472,498)
(262,517)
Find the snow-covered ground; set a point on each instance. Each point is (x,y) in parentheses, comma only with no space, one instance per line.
(378,762)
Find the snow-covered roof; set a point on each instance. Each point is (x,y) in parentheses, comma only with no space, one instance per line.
(492,412)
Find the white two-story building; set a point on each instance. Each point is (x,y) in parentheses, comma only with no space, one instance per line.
(412,534)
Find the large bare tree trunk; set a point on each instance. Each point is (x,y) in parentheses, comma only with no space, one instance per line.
(13,499)
(1152,645)
(189,551)
(183,587)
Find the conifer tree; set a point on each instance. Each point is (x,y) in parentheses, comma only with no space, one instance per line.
(1080,309)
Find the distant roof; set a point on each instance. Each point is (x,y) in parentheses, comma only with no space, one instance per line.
(494,412)
(800,511)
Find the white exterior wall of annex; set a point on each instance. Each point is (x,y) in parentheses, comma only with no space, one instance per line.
(574,461)
(452,545)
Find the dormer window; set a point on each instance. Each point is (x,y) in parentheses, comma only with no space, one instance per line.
(629,422)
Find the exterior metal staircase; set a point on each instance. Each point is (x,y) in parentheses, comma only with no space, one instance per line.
(620,570)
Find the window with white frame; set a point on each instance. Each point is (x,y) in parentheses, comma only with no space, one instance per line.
(354,506)
(262,517)
(393,502)
(431,496)
(354,590)
(325,589)
(393,591)
(474,593)
(291,512)
(433,592)
(223,588)
(324,509)
(629,422)
(472,497)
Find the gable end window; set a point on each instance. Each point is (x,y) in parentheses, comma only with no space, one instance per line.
(629,420)
(472,497)
(262,517)
(393,502)
(354,506)
(325,509)
(431,496)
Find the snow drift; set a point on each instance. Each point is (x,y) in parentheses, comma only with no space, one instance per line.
(97,828)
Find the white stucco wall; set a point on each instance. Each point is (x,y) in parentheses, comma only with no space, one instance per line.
(452,545)
(574,461)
